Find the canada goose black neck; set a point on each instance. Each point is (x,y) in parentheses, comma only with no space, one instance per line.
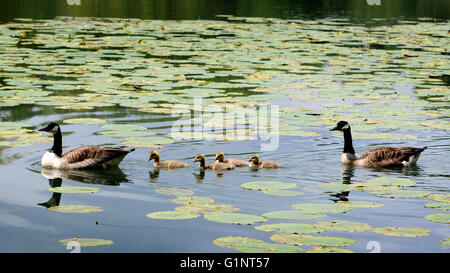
(348,145)
(57,143)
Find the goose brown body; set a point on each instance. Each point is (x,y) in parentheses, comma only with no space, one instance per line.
(220,157)
(82,157)
(377,157)
(214,166)
(255,163)
(169,164)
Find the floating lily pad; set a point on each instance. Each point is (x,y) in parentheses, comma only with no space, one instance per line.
(293,215)
(123,127)
(299,240)
(439,197)
(324,249)
(87,242)
(172,215)
(84,121)
(268,185)
(296,228)
(76,209)
(278,192)
(439,205)
(390,182)
(74,189)
(126,133)
(445,242)
(207,208)
(402,231)
(250,245)
(147,141)
(439,218)
(192,200)
(234,218)
(343,225)
(174,191)
(320,208)
(402,193)
(359,204)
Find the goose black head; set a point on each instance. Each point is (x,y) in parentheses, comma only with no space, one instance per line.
(341,126)
(52,128)
(254,158)
(153,155)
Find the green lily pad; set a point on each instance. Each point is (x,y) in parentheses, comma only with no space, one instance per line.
(293,215)
(402,193)
(192,200)
(234,218)
(174,191)
(278,192)
(439,218)
(172,215)
(445,242)
(123,127)
(299,240)
(9,125)
(74,189)
(250,245)
(439,205)
(343,225)
(76,209)
(324,249)
(268,185)
(88,121)
(87,242)
(295,228)
(439,197)
(312,208)
(207,208)
(359,204)
(390,182)
(402,231)
(147,141)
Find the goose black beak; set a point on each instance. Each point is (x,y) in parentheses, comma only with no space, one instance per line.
(42,129)
(334,129)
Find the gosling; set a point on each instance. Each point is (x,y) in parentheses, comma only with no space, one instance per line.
(214,166)
(169,164)
(220,157)
(254,163)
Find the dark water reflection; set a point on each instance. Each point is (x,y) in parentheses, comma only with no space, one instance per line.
(360,11)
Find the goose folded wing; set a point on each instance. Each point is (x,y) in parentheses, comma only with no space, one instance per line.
(389,155)
(90,156)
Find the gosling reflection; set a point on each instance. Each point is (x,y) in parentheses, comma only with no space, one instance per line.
(154,175)
(111,177)
(200,176)
(56,197)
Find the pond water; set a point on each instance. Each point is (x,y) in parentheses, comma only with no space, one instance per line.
(241,85)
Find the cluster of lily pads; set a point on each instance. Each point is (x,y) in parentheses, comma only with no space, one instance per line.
(159,67)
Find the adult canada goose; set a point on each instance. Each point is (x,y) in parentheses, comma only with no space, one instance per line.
(214,166)
(220,157)
(82,157)
(378,157)
(255,163)
(170,164)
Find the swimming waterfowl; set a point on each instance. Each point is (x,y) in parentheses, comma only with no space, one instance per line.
(255,163)
(378,157)
(170,164)
(214,166)
(220,157)
(82,157)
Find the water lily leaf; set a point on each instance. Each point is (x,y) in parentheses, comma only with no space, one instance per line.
(278,192)
(292,215)
(295,228)
(123,127)
(9,125)
(343,225)
(439,197)
(439,218)
(172,215)
(77,189)
(146,141)
(192,200)
(76,209)
(234,218)
(320,208)
(359,204)
(445,242)
(299,240)
(439,205)
(174,191)
(324,249)
(390,182)
(128,133)
(401,193)
(402,231)
(87,242)
(207,208)
(84,121)
(267,185)
(250,245)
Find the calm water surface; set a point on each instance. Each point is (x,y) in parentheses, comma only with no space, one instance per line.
(127,194)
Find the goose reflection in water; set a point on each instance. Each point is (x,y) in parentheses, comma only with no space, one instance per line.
(348,171)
